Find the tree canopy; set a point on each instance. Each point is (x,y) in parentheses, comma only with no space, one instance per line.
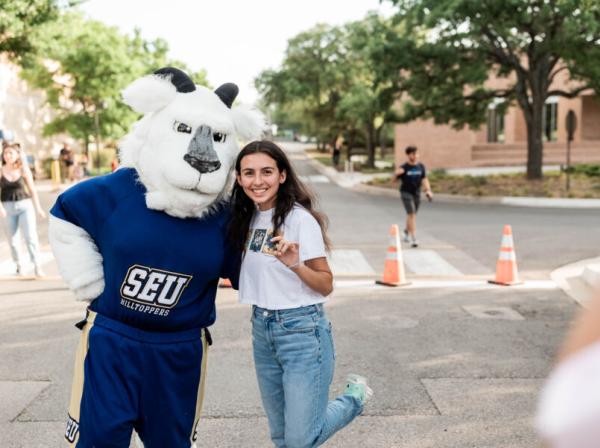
(450,48)
(328,82)
(19,18)
(83,65)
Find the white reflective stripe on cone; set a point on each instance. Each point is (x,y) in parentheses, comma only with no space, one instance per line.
(507,256)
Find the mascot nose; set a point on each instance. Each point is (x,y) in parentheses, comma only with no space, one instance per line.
(200,154)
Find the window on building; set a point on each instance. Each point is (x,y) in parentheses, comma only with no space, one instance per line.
(550,119)
(495,125)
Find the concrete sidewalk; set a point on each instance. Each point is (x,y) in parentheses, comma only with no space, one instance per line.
(581,280)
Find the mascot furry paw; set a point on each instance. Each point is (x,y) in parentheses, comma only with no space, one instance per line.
(146,245)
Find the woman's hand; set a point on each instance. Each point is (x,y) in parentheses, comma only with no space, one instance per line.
(286,251)
(41,213)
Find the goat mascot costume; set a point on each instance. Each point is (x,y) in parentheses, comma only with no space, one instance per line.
(146,246)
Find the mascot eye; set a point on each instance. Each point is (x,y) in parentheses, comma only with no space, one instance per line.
(219,138)
(182,127)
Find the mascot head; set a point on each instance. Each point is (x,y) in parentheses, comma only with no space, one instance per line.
(185,145)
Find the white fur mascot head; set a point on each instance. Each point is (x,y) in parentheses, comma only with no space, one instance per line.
(185,145)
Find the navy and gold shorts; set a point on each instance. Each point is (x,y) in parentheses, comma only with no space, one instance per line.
(126,378)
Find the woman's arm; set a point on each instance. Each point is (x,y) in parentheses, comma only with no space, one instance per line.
(315,272)
(26,173)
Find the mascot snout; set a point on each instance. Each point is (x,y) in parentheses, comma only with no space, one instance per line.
(200,154)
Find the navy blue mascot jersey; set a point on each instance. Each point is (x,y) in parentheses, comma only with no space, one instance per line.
(161,273)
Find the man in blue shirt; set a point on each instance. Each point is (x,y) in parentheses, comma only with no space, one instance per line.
(412,175)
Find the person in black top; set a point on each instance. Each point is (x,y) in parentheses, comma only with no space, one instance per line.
(412,175)
(19,203)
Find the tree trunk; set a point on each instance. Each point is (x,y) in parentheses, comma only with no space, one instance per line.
(370,141)
(351,143)
(534,120)
(97,130)
(535,147)
(381,139)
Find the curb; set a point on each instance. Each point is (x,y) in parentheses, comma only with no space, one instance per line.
(354,181)
(579,280)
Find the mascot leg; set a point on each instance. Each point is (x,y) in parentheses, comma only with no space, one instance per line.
(176,404)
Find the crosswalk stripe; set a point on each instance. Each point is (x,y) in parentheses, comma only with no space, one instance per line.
(349,262)
(428,262)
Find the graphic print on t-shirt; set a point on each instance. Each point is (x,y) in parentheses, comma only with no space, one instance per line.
(259,240)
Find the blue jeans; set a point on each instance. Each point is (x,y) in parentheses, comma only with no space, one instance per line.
(294,359)
(21,215)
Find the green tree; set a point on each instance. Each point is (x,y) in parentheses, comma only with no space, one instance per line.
(450,48)
(368,102)
(83,65)
(19,18)
(312,77)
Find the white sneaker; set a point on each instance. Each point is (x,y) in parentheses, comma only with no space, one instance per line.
(357,387)
(405,236)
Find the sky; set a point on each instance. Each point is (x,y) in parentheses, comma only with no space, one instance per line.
(232,40)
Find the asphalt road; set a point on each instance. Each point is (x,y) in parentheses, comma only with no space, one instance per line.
(467,235)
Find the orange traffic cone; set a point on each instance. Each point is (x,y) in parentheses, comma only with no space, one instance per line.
(225,283)
(506,268)
(393,271)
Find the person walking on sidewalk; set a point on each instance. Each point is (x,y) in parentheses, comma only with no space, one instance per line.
(286,278)
(412,175)
(18,200)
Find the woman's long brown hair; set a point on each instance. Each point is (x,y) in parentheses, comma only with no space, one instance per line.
(290,192)
(17,148)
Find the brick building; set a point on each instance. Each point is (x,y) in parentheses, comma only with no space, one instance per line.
(502,141)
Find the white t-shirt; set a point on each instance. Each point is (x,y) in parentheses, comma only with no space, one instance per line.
(264,280)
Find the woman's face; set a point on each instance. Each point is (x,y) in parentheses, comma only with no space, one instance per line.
(10,155)
(260,179)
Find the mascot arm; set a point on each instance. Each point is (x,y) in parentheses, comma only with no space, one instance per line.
(78,258)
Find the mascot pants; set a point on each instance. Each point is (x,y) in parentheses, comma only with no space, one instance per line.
(126,378)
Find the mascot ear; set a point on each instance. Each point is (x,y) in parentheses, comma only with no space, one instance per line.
(227,92)
(153,92)
(249,123)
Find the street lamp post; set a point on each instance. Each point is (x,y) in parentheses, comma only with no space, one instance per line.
(571,126)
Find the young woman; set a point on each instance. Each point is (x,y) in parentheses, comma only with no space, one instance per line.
(286,279)
(18,199)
